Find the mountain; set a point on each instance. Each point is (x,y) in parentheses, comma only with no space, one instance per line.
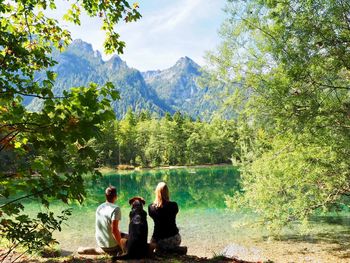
(160,91)
(177,83)
(178,87)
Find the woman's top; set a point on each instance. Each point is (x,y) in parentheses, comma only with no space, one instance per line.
(164,220)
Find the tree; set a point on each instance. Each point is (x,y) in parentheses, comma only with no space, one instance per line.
(107,145)
(154,148)
(127,138)
(291,59)
(46,154)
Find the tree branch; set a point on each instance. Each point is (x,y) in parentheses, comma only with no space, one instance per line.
(20,255)
(9,134)
(38,96)
(24,197)
(3,147)
(5,255)
(26,20)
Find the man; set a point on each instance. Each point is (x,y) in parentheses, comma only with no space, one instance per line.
(108,215)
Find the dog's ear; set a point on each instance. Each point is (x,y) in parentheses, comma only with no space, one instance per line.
(132,200)
(142,201)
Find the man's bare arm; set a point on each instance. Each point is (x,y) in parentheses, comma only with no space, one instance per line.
(115,231)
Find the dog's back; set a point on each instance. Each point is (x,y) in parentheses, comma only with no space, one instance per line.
(138,231)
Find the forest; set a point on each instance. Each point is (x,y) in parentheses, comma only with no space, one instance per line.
(146,141)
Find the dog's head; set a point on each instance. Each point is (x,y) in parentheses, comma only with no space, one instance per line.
(137,202)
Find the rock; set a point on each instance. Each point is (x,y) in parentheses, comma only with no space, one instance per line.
(50,252)
(90,251)
(243,253)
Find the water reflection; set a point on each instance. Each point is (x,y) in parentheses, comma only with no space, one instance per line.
(200,188)
(205,225)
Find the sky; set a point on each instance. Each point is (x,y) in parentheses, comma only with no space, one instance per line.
(168,30)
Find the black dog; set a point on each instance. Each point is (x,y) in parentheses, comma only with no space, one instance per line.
(137,246)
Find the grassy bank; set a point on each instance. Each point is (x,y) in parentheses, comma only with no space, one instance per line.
(108,169)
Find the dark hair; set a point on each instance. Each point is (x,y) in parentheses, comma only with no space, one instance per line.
(110,192)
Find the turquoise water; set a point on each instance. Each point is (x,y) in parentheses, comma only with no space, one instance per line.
(199,193)
(206,225)
(191,188)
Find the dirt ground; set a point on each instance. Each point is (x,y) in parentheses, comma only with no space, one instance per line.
(291,250)
(295,249)
(17,257)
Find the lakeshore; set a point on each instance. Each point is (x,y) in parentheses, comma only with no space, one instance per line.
(106,259)
(206,225)
(108,170)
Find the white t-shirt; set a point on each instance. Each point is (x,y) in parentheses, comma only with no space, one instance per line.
(105,214)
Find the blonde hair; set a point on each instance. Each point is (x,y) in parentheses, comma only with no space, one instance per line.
(162,194)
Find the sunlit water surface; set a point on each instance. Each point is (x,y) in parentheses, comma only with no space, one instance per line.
(205,223)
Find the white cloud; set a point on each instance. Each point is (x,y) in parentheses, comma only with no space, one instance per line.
(180,14)
(179,28)
(167,31)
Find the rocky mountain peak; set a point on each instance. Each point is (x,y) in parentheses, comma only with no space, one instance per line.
(172,89)
(115,62)
(82,46)
(81,49)
(186,63)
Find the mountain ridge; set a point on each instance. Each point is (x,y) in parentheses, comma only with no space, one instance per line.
(159,91)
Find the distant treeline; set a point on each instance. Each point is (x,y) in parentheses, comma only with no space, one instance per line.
(148,141)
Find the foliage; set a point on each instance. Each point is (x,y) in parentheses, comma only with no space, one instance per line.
(291,59)
(142,140)
(44,155)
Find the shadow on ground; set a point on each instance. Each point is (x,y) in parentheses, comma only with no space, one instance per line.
(106,259)
(340,239)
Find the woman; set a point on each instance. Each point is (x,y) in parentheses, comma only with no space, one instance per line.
(163,212)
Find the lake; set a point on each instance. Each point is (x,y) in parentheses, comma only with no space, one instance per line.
(205,224)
